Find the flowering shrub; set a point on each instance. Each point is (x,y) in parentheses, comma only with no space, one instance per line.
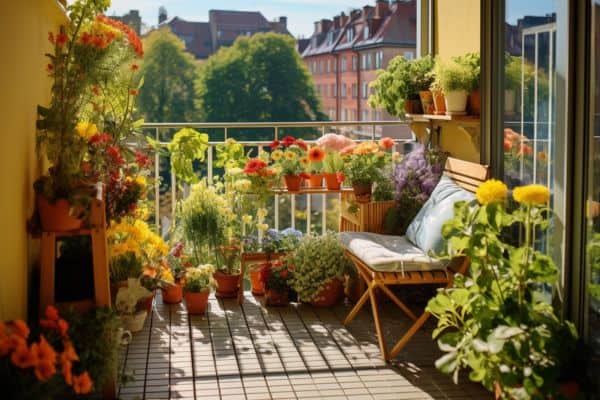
(43,368)
(289,155)
(276,276)
(315,155)
(261,176)
(365,163)
(520,158)
(492,321)
(199,279)
(317,260)
(274,241)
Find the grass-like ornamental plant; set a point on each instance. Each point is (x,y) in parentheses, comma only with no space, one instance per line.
(493,321)
(317,260)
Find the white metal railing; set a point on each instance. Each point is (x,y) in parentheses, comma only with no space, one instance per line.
(358,130)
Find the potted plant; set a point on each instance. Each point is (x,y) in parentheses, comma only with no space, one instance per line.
(439,101)
(172,272)
(364,166)
(276,279)
(228,276)
(493,322)
(126,304)
(289,155)
(333,164)
(199,282)
(319,266)
(471,61)
(397,88)
(455,81)
(315,155)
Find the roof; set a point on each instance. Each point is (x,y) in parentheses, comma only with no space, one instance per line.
(238,18)
(195,34)
(398,29)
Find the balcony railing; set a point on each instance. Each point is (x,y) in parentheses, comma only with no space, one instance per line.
(165,209)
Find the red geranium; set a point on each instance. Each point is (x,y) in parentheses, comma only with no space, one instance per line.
(274,144)
(288,141)
(300,143)
(142,159)
(115,155)
(254,165)
(340,177)
(100,138)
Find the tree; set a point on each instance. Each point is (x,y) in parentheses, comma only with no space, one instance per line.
(169,73)
(259,78)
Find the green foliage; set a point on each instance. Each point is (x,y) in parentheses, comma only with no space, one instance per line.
(125,266)
(186,147)
(401,81)
(169,73)
(277,277)
(316,261)
(593,259)
(472,62)
(258,78)
(333,162)
(492,322)
(199,279)
(451,76)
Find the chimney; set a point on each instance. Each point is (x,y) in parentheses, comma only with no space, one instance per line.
(336,21)
(354,14)
(365,11)
(343,19)
(382,9)
(283,22)
(162,15)
(317,27)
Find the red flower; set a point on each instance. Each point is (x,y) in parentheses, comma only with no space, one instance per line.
(274,144)
(340,177)
(115,155)
(288,141)
(304,175)
(85,38)
(284,273)
(96,90)
(49,68)
(100,138)
(300,143)
(386,143)
(52,313)
(141,159)
(254,165)
(61,39)
(62,327)
(133,92)
(51,37)
(507,145)
(134,67)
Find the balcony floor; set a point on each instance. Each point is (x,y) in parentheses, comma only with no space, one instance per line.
(295,352)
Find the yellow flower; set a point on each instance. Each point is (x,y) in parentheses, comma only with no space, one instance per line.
(276,155)
(290,155)
(490,191)
(243,185)
(532,194)
(141,181)
(234,171)
(304,161)
(86,129)
(231,141)
(247,219)
(396,156)
(262,227)
(261,213)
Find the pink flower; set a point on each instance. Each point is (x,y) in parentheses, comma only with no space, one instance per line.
(332,141)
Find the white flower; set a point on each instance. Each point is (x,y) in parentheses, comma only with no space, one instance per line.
(243,185)
(234,171)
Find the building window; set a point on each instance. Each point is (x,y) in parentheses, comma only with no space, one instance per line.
(329,37)
(325,90)
(343,65)
(366,32)
(409,55)
(350,34)
(343,94)
(365,90)
(328,65)
(370,61)
(219,34)
(345,114)
(379,59)
(363,62)
(354,90)
(354,63)
(334,90)
(365,115)
(321,62)
(331,114)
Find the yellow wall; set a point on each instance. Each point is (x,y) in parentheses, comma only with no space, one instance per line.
(456,31)
(23,85)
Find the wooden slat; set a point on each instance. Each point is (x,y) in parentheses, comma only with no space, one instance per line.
(467,168)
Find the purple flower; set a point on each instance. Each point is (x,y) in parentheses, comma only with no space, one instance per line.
(418,173)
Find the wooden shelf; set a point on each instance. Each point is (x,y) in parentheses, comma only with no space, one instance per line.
(307,190)
(433,117)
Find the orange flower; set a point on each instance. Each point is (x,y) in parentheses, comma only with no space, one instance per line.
(507,145)
(134,67)
(22,357)
(61,39)
(69,352)
(386,143)
(82,384)
(43,352)
(2,329)
(21,328)
(16,340)
(316,154)
(5,346)
(65,367)
(52,313)
(62,327)
(44,370)
(133,92)
(96,90)
(525,150)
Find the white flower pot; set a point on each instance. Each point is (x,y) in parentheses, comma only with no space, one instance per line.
(456,102)
(135,322)
(509,102)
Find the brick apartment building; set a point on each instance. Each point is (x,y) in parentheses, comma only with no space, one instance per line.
(204,38)
(344,54)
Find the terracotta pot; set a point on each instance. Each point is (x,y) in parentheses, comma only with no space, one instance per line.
(293,182)
(330,294)
(315,181)
(439,103)
(362,192)
(56,217)
(456,102)
(146,304)
(412,107)
(196,302)
(258,287)
(135,322)
(227,284)
(172,294)
(332,181)
(277,297)
(569,390)
(475,102)
(426,101)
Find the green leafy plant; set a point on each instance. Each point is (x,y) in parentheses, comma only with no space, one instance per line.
(316,261)
(452,76)
(472,62)
(333,162)
(187,146)
(276,276)
(593,259)
(401,81)
(492,322)
(365,164)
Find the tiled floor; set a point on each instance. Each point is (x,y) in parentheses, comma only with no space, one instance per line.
(296,352)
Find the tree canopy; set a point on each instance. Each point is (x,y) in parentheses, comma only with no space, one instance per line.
(259,78)
(169,73)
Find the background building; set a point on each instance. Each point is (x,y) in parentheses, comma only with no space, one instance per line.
(344,54)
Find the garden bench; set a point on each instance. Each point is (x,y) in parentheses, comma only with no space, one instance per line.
(385,260)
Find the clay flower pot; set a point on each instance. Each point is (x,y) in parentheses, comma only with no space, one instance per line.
(227,284)
(426,101)
(362,192)
(330,294)
(146,304)
(439,103)
(332,181)
(315,181)
(196,302)
(412,107)
(475,102)
(277,297)
(258,287)
(56,217)
(293,182)
(172,294)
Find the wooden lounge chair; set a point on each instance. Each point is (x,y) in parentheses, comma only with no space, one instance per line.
(383,260)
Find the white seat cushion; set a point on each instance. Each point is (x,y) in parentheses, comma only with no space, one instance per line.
(387,253)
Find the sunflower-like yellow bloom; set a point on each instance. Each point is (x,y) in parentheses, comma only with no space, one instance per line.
(86,129)
(532,194)
(290,155)
(304,161)
(491,191)
(276,155)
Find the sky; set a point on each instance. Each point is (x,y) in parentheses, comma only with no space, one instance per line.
(301,13)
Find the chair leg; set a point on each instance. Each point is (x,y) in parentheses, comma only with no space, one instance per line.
(409,334)
(399,303)
(357,307)
(378,328)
